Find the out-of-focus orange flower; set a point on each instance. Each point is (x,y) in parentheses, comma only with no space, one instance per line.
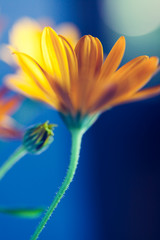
(8,128)
(76,81)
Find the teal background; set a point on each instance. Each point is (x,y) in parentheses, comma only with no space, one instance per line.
(116,190)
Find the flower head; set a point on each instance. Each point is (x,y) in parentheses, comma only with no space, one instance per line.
(38,138)
(8,129)
(77,83)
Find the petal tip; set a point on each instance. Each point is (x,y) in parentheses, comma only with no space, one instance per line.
(145,57)
(122,39)
(155,60)
(46,29)
(121,43)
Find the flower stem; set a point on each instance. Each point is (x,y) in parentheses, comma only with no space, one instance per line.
(76,144)
(17,155)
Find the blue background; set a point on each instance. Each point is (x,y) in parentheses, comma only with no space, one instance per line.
(116,190)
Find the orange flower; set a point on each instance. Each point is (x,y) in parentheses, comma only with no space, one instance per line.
(76,82)
(8,130)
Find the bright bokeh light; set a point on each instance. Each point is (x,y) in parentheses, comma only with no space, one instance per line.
(131,17)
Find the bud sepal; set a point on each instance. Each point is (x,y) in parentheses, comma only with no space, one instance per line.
(38,138)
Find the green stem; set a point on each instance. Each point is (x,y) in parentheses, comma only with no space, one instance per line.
(76,144)
(17,155)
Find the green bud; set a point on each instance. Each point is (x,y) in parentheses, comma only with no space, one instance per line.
(38,138)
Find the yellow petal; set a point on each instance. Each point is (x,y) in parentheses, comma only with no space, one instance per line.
(72,60)
(73,70)
(113,59)
(54,55)
(23,84)
(35,72)
(39,78)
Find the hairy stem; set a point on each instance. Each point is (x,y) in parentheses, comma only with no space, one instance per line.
(15,157)
(76,144)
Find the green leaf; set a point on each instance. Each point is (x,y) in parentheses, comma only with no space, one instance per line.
(23,212)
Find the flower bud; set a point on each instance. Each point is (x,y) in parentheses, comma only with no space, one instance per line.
(38,138)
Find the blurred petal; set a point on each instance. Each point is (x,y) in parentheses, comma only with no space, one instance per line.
(10,129)
(6,56)
(22,212)
(135,80)
(9,105)
(10,133)
(3,91)
(146,93)
(127,87)
(125,69)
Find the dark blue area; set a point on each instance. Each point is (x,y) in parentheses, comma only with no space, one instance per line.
(116,190)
